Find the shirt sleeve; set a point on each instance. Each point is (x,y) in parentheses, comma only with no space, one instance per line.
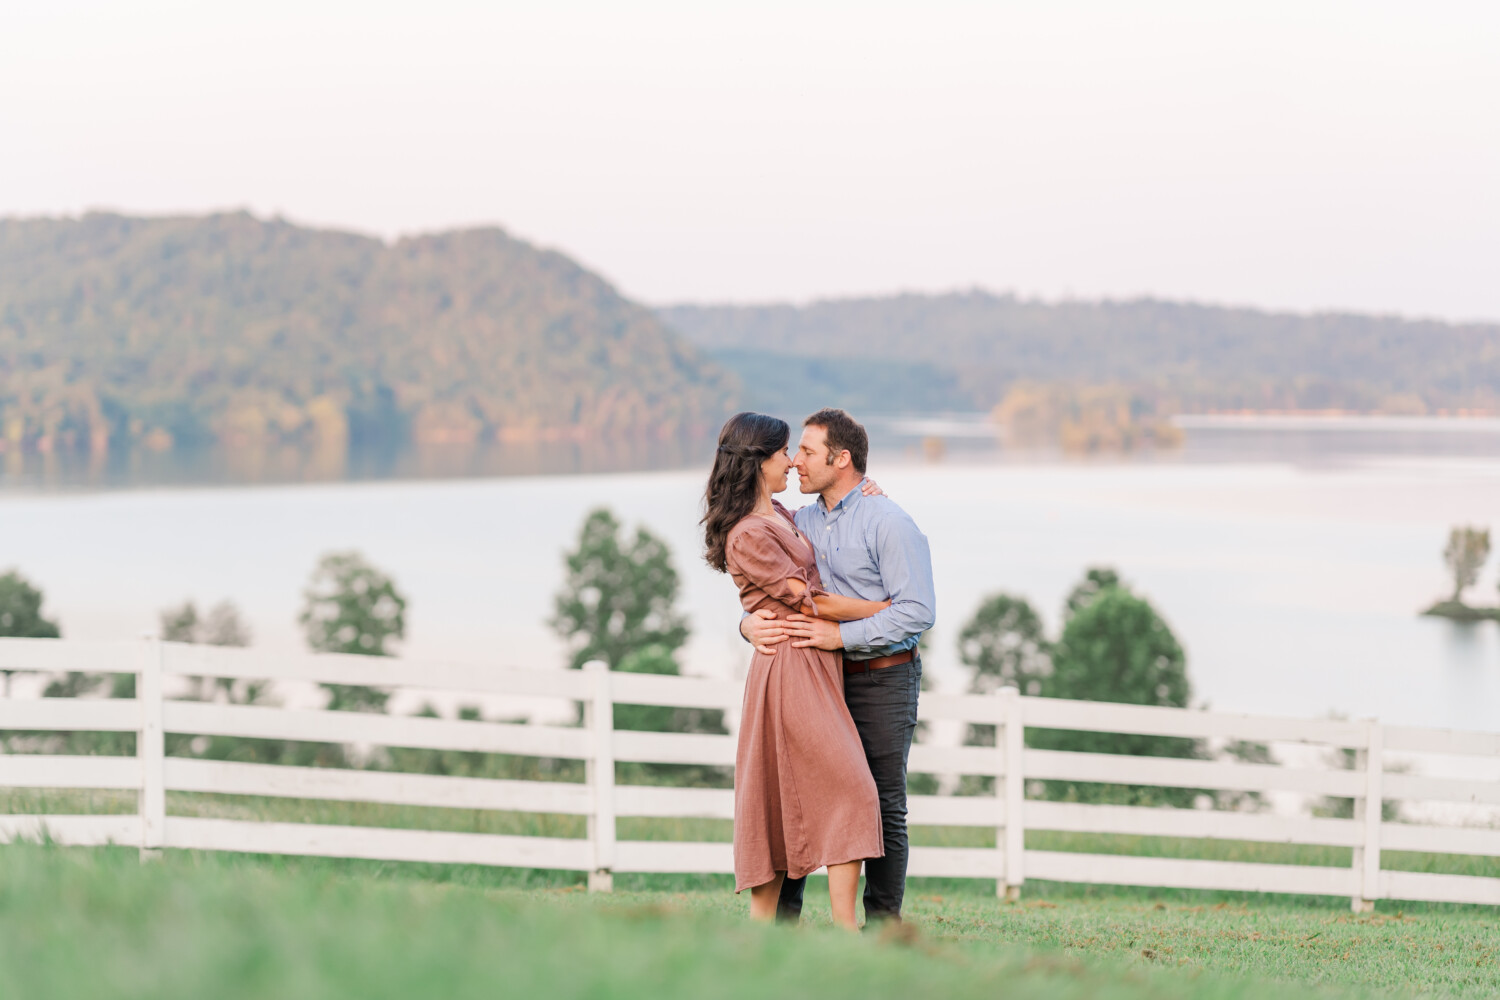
(904,561)
(759,555)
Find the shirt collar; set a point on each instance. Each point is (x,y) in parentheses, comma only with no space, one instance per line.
(846,503)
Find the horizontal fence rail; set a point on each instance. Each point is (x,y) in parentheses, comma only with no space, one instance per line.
(1005,811)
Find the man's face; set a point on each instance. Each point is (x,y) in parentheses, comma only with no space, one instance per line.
(816,470)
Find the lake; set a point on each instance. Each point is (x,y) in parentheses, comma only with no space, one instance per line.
(1290,561)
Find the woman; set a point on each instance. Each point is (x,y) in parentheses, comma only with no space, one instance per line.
(803,795)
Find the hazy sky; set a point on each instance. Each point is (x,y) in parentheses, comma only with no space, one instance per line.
(1297,154)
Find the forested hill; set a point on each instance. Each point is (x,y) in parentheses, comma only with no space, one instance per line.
(961,351)
(238,329)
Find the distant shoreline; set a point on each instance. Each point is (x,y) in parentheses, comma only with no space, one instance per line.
(982,424)
(1375,423)
(1461,612)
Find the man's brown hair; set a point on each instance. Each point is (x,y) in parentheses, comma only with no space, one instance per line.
(844,434)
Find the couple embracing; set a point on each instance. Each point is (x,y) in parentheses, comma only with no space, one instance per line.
(836,597)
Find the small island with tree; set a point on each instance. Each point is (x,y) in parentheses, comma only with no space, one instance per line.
(1465,554)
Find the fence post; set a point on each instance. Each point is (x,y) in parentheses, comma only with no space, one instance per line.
(599,715)
(150,748)
(1011,788)
(1367,813)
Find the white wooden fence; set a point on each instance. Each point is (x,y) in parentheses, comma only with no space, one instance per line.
(152,774)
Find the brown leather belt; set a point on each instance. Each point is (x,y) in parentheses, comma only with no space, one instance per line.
(879,663)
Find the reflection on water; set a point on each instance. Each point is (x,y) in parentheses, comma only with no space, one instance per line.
(1342,441)
(1467,671)
(213,466)
(1305,441)
(1469,645)
(963,438)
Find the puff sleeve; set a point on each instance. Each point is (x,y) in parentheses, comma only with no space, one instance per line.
(759,554)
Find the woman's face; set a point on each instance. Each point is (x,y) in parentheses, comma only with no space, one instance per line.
(774,469)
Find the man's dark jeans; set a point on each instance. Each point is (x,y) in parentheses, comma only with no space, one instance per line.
(884,706)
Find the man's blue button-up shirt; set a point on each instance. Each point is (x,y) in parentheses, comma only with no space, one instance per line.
(869,548)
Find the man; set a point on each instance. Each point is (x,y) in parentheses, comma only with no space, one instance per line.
(867,547)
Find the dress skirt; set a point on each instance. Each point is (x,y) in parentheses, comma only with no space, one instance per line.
(803,795)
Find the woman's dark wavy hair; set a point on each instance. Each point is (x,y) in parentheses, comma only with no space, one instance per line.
(747,440)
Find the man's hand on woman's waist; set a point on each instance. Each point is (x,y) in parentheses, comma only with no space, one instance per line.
(763,630)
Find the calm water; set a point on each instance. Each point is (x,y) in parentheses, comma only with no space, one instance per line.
(1290,568)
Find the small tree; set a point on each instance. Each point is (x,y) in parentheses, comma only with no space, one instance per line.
(1347,759)
(618,604)
(617,600)
(1117,648)
(1097,580)
(1243,752)
(1003,644)
(21,614)
(1466,552)
(223,626)
(180,624)
(349,606)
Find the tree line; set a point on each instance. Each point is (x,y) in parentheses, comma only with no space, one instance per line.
(1116,647)
(348,606)
(966,350)
(156,332)
(618,604)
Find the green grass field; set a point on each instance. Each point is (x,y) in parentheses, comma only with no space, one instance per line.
(97,923)
(71,802)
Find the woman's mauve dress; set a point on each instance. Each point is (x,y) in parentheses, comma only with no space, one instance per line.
(803,795)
